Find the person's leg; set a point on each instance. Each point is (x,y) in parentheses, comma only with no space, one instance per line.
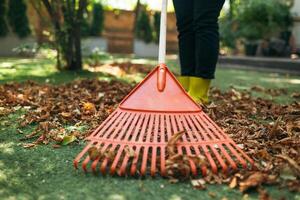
(186,37)
(206,13)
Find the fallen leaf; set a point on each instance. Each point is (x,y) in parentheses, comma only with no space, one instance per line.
(68,139)
(129,151)
(94,153)
(291,162)
(29,145)
(256,179)
(198,184)
(233,183)
(89,107)
(66,114)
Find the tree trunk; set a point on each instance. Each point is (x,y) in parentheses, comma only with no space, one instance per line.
(67,31)
(77,44)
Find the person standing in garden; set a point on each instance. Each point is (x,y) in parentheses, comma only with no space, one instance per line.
(197,24)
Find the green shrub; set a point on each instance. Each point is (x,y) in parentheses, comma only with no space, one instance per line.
(17,18)
(228,32)
(85,26)
(156,25)
(98,19)
(143,27)
(3,24)
(262,19)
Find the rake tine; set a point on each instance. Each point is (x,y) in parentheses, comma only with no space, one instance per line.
(123,132)
(139,139)
(154,148)
(145,153)
(80,155)
(162,150)
(135,161)
(184,120)
(192,164)
(205,150)
(107,123)
(213,147)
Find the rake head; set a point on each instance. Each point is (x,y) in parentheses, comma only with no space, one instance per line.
(133,140)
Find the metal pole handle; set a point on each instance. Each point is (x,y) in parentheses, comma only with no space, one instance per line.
(163,33)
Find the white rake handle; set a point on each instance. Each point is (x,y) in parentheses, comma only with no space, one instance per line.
(163,32)
(161,78)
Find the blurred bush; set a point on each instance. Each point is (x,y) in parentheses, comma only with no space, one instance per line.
(254,20)
(96,57)
(3,24)
(143,26)
(98,20)
(156,26)
(259,19)
(17,18)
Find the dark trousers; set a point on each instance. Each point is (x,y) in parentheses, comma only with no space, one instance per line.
(197,24)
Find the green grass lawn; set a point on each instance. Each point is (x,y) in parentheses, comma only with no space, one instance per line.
(47,173)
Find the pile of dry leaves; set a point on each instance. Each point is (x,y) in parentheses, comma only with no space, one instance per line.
(268,132)
(82,102)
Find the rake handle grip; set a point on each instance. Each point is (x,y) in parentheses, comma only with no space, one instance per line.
(161,77)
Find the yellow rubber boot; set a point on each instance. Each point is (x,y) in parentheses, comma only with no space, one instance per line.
(184,81)
(198,89)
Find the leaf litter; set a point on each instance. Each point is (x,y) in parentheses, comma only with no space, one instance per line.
(268,132)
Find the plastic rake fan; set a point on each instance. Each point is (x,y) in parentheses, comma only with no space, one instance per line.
(146,120)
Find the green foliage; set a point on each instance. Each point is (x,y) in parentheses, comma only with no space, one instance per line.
(262,19)
(98,20)
(85,26)
(97,56)
(3,24)
(17,18)
(143,27)
(228,34)
(156,23)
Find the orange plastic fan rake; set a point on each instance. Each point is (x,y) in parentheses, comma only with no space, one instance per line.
(136,134)
(146,119)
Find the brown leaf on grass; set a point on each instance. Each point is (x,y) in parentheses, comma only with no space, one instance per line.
(110,154)
(129,151)
(171,145)
(295,95)
(263,195)
(29,145)
(258,88)
(291,162)
(293,126)
(89,107)
(294,185)
(198,184)
(256,179)
(66,114)
(177,166)
(56,146)
(233,182)
(94,153)
(199,160)
(275,127)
